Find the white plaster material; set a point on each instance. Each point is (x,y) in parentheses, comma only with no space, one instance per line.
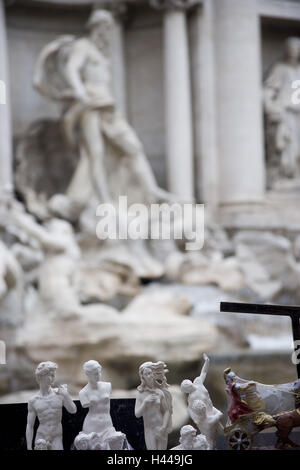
(154,404)
(47,407)
(206,417)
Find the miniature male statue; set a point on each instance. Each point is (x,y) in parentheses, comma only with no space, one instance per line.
(206,417)
(47,407)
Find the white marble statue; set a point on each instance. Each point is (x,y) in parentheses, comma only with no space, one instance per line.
(96,397)
(283,116)
(190,441)
(154,404)
(48,254)
(201,410)
(82,76)
(112,163)
(47,407)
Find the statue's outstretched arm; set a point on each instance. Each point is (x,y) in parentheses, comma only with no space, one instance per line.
(202,376)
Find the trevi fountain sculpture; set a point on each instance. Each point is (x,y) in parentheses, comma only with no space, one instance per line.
(66,294)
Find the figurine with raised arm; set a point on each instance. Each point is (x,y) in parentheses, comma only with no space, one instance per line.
(201,410)
(154,404)
(47,407)
(190,441)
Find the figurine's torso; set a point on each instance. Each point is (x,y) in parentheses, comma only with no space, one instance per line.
(49,412)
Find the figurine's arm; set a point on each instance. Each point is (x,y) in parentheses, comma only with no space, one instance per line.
(72,69)
(200,380)
(67,400)
(30,425)
(69,404)
(140,405)
(85,402)
(166,417)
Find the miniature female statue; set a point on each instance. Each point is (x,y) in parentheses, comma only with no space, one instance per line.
(201,410)
(154,404)
(47,407)
(96,396)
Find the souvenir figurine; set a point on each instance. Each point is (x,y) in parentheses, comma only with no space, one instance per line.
(254,406)
(154,404)
(201,410)
(190,441)
(98,432)
(47,407)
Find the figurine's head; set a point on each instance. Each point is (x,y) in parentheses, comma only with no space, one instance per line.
(41,444)
(92,370)
(187,436)
(152,375)
(200,443)
(187,386)
(229,375)
(81,441)
(99,25)
(292,48)
(45,373)
(116,441)
(296,386)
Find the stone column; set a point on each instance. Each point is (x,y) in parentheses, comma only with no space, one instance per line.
(205,117)
(118,9)
(178,115)
(239,106)
(5,118)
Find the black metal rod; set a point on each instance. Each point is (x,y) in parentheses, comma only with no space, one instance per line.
(296,337)
(260,309)
(267,309)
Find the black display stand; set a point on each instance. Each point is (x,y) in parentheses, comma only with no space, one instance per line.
(13,424)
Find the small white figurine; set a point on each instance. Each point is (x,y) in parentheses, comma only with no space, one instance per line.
(47,407)
(96,396)
(201,410)
(154,404)
(190,441)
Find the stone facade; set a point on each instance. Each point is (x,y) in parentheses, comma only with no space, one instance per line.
(188,75)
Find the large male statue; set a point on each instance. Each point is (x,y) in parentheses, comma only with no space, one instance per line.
(283,115)
(47,407)
(76,72)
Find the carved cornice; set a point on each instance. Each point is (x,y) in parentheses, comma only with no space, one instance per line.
(174,4)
